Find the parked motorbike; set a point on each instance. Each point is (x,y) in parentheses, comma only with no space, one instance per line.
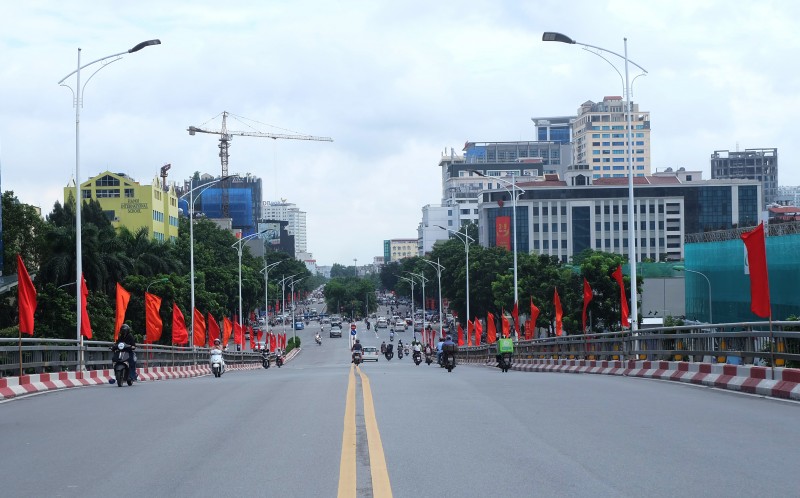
(120,358)
(217,363)
(417,358)
(356,357)
(504,362)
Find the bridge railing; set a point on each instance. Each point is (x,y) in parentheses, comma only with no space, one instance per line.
(39,355)
(745,343)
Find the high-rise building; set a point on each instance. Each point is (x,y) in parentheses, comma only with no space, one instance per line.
(244,200)
(287,211)
(127,203)
(397,249)
(599,142)
(554,129)
(752,164)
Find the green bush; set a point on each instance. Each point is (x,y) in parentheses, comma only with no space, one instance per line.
(293,342)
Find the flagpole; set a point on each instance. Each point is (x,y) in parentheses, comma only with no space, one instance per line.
(20,352)
(771,345)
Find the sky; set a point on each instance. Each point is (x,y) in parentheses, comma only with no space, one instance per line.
(395,84)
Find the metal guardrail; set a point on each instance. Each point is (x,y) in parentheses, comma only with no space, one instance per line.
(745,343)
(61,355)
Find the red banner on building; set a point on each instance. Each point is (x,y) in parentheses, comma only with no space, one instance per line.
(502,227)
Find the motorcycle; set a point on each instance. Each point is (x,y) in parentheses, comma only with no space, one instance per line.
(417,358)
(428,359)
(279,361)
(357,357)
(389,352)
(448,359)
(120,358)
(505,362)
(265,359)
(391,336)
(217,363)
(399,353)
(318,339)
(407,351)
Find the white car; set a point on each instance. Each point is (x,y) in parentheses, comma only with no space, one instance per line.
(400,325)
(369,354)
(382,323)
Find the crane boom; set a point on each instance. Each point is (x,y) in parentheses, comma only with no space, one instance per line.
(224,144)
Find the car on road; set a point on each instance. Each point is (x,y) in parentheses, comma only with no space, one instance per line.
(336,331)
(382,323)
(400,326)
(369,353)
(299,325)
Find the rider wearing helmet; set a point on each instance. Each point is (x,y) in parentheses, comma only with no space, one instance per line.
(126,336)
(356,348)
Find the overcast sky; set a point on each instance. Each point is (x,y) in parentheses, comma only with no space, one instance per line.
(394,83)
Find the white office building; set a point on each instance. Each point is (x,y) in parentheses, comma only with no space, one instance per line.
(289,212)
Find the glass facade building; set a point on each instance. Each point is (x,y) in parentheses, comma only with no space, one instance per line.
(244,201)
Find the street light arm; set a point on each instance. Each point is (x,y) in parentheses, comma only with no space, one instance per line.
(134,49)
(457,234)
(550,36)
(206,186)
(513,185)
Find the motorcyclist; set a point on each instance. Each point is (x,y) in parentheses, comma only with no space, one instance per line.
(356,348)
(383,347)
(416,346)
(317,337)
(439,350)
(217,350)
(126,336)
(391,335)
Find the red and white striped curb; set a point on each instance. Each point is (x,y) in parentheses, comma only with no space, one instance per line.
(11,387)
(744,378)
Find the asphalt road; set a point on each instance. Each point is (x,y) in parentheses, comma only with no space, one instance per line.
(473,432)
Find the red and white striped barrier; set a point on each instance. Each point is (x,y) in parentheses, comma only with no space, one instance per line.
(745,378)
(11,387)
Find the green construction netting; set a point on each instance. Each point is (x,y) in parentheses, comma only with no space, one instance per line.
(722,262)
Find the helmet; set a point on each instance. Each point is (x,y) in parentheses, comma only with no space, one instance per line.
(358,341)
(216,342)
(125,328)
(449,338)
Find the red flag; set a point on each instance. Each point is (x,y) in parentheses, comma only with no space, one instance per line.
(153,323)
(478,331)
(179,333)
(86,325)
(227,328)
(559,313)
(469,333)
(238,336)
(123,298)
(460,335)
(213,330)
(755,243)
(505,325)
(515,314)
(622,297)
(199,332)
(26,296)
(491,330)
(258,336)
(272,342)
(587,296)
(252,337)
(534,315)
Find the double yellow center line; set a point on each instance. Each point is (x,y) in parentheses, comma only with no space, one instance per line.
(381,487)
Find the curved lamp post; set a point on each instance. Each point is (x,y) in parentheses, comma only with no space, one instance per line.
(439,269)
(466,239)
(265,271)
(558,37)
(513,194)
(422,279)
(283,296)
(239,243)
(192,200)
(77,94)
(413,282)
(683,268)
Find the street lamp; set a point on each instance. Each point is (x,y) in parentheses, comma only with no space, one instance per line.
(682,268)
(78,99)
(466,239)
(283,296)
(355,266)
(239,243)
(558,37)
(422,279)
(512,193)
(163,279)
(439,269)
(294,329)
(412,303)
(190,193)
(266,287)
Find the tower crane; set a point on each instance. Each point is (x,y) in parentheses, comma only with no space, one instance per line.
(225,137)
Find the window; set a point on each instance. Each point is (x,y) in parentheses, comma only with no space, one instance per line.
(107,181)
(544,211)
(545,244)
(535,228)
(536,210)
(563,210)
(616,225)
(86,194)
(607,226)
(105,193)
(544,227)
(618,144)
(597,226)
(606,144)
(596,160)
(618,151)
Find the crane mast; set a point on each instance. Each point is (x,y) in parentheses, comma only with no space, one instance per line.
(225,138)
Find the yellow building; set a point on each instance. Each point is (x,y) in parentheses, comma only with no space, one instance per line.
(129,204)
